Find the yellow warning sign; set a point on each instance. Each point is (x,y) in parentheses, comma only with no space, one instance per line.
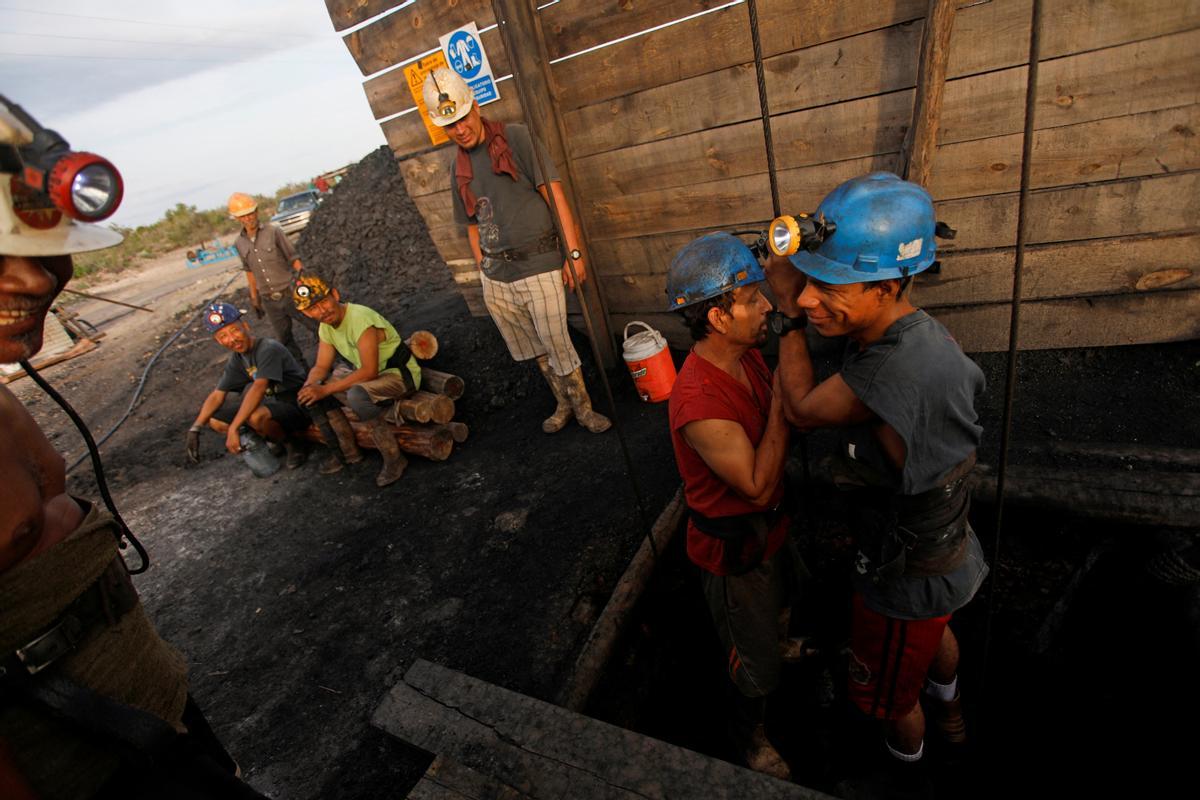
(415,73)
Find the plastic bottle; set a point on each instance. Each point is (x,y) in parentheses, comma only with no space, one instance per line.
(256,455)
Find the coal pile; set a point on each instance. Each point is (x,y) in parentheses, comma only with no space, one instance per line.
(369,240)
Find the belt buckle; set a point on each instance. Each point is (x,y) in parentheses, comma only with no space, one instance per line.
(276,296)
(52,645)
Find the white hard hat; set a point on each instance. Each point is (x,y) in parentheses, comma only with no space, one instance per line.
(30,225)
(447,96)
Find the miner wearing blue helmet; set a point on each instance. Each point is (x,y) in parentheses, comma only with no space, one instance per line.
(258,388)
(904,401)
(730,438)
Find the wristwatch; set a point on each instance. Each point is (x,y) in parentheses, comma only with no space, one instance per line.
(576,255)
(781,324)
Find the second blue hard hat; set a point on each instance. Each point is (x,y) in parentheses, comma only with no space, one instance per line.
(709,266)
(218,315)
(885,230)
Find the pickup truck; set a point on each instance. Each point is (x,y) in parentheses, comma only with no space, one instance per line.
(296,210)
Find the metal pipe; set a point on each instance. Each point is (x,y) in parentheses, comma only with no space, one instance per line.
(1014,328)
(764,106)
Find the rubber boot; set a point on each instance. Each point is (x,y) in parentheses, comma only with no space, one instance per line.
(297,454)
(335,427)
(750,737)
(581,404)
(562,412)
(394,461)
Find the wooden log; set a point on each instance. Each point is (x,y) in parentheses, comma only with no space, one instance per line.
(432,442)
(442,383)
(921,139)
(1120,452)
(424,345)
(458,430)
(423,406)
(1133,497)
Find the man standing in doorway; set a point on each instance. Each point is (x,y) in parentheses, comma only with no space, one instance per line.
(503,198)
(271,264)
(905,400)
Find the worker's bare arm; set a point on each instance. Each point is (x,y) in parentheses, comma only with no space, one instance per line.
(209,407)
(754,473)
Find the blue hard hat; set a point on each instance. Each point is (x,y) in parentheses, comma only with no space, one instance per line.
(218,315)
(710,266)
(885,229)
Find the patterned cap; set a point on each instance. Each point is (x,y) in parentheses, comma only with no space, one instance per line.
(308,291)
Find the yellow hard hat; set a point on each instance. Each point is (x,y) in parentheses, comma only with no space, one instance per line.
(241,204)
(447,96)
(308,290)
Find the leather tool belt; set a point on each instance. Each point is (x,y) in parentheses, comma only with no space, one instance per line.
(923,535)
(547,244)
(109,598)
(734,530)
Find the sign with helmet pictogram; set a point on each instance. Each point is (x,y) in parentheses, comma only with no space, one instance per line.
(415,74)
(466,56)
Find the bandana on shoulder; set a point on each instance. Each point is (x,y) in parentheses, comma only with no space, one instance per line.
(502,162)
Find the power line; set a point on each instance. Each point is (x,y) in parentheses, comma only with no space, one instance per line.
(152,58)
(147,22)
(129,41)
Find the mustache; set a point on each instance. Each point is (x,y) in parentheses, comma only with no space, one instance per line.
(19,302)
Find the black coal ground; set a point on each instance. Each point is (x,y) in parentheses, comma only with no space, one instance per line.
(299,600)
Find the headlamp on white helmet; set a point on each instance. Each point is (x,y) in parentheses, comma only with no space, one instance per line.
(46,190)
(447,96)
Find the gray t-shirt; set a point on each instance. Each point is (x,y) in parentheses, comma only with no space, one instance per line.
(510,214)
(917,380)
(267,359)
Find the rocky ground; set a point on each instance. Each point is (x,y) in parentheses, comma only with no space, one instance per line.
(299,600)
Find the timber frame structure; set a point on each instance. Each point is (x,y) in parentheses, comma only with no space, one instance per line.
(651,111)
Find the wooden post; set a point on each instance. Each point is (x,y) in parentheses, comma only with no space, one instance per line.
(522,29)
(920,143)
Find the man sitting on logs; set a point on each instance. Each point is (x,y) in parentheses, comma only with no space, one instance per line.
(385,370)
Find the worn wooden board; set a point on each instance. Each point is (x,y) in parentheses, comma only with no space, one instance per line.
(543,750)
(400,36)
(429,172)
(1088,322)
(574,25)
(388,93)
(1045,324)
(1107,149)
(1124,265)
(446,779)
(436,208)
(348,13)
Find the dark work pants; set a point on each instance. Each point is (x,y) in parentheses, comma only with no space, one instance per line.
(279,314)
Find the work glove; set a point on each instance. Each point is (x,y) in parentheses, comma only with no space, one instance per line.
(193,445)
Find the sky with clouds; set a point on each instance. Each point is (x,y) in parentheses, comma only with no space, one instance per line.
(190,100)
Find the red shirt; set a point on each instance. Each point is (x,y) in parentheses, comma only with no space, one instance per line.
(705,391)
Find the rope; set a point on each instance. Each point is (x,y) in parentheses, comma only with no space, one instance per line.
(1010,375)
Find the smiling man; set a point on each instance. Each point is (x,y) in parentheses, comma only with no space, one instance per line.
(95,703)
(503,199)
(905,402)
(730,438)
(385,370)
(258,388)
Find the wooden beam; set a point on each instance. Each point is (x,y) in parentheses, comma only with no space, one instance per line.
(921,140)
(403,35)
(348,13)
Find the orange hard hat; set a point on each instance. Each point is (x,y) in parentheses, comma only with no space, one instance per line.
(241,204)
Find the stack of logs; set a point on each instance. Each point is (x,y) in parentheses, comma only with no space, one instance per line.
(423,421)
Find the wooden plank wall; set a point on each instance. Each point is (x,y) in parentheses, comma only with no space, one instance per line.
(666,143)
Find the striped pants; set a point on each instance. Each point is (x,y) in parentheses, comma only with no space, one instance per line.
(532,317)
